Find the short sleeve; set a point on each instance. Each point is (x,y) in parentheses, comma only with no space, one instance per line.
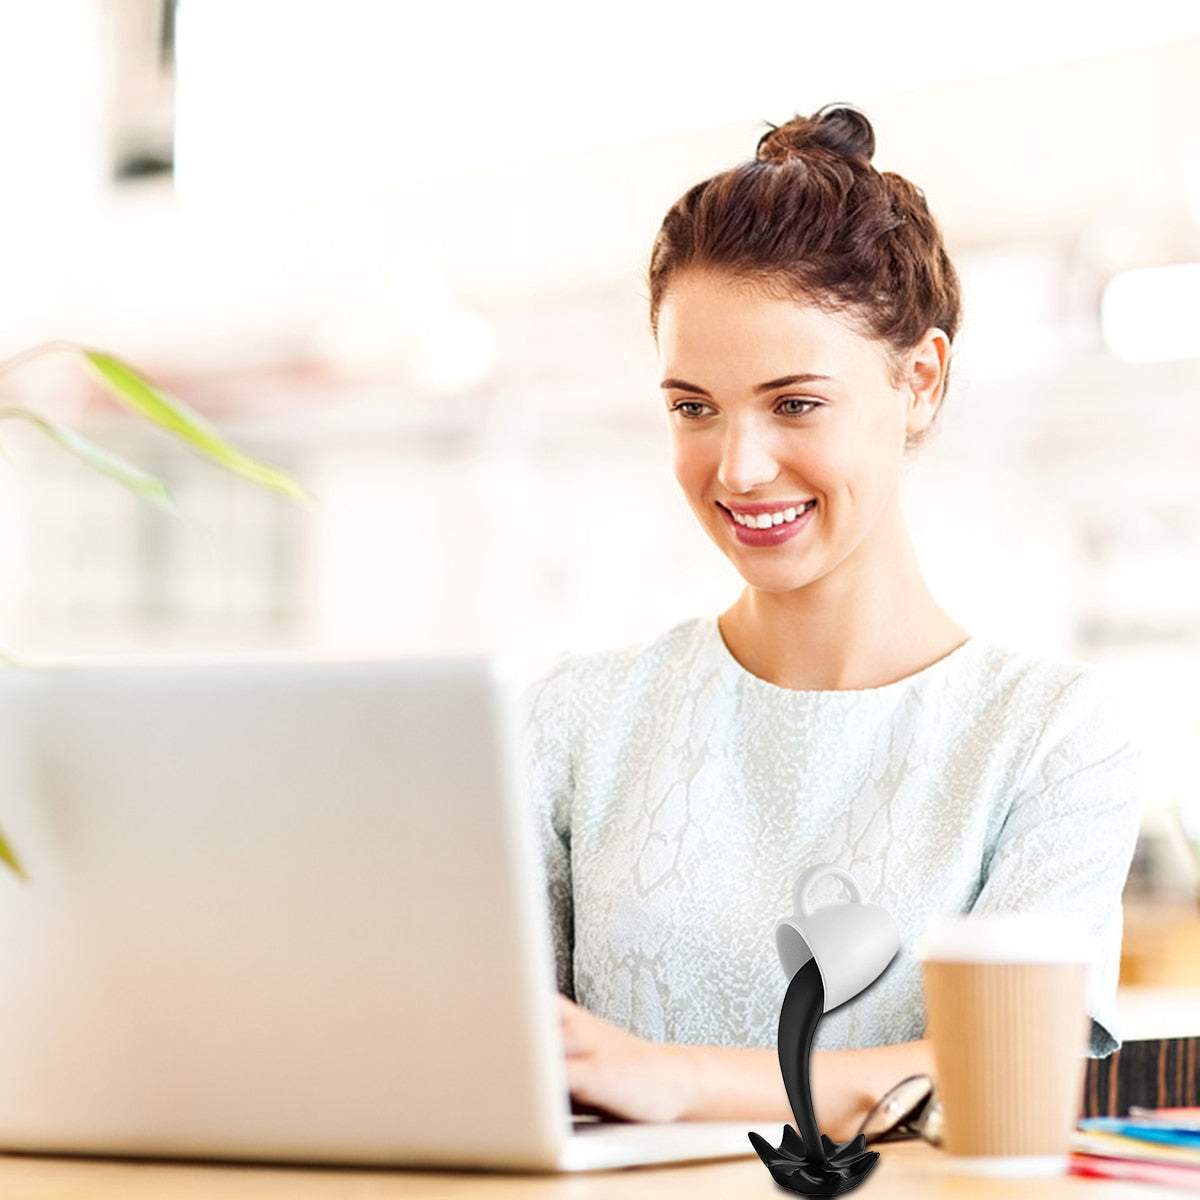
(547,707)
(1066,843)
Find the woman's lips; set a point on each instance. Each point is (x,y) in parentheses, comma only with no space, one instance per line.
(762,525)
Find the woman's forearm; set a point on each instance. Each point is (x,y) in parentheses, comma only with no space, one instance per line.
(733,1084)
(613,1070)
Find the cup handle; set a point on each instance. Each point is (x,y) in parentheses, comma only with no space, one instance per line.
(809,877)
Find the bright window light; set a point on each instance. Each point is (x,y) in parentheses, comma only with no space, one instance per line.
(1153,314)
(282,101)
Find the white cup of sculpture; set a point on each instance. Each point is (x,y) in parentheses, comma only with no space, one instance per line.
(852,941)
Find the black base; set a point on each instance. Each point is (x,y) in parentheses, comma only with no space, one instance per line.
(830,1172)
(807,1161)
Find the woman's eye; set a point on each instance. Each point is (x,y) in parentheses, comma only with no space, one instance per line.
(794,406)
(688,408)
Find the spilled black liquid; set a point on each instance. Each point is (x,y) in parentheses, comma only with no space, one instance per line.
(806,1161)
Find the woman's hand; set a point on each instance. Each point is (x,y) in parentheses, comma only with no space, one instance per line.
(622,1074)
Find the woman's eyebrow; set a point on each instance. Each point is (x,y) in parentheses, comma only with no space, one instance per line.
(681,385)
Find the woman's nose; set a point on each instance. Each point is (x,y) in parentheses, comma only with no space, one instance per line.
(747,461)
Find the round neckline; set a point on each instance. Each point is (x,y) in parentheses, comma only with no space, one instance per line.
(730,666)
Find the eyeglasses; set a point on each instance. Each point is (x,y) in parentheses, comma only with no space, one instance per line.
(910,1109)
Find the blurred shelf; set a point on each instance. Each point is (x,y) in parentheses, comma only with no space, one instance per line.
(1161,947)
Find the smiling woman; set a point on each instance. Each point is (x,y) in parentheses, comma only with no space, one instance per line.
(804,309)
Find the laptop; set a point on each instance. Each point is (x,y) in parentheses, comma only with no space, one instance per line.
(284,910)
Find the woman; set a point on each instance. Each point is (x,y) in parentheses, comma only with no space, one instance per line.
(803,308)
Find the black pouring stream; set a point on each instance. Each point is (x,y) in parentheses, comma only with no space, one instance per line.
(807,1161)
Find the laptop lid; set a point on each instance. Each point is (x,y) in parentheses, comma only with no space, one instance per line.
(283,910)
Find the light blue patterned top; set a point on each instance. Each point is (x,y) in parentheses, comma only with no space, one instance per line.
(679,797)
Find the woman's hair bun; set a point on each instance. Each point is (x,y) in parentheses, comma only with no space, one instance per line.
(837,128)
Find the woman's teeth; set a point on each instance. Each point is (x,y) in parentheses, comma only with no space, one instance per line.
(766,520)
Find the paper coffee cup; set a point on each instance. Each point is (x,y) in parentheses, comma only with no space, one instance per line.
(1006,1004)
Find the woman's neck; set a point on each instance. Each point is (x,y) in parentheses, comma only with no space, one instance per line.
(864,625)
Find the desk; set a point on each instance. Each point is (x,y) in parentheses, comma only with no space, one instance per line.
(909,1171)
(1158,1012)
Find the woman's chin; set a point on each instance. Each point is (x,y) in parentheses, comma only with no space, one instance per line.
(778,579)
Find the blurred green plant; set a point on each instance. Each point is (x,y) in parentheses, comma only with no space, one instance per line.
(145,400)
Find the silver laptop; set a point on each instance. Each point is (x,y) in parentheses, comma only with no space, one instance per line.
(283,910)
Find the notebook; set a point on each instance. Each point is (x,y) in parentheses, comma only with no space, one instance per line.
(284,910)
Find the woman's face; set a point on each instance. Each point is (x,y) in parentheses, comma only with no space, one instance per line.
(788,427)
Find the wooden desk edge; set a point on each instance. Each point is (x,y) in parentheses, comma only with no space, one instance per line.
(913,1171)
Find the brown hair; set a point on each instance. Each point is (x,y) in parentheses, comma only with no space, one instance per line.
(809,217)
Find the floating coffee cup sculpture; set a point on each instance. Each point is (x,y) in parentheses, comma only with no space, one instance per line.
(829,954)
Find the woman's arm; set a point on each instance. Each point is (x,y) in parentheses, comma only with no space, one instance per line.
(548,721)
(610,1069)
(1070,831)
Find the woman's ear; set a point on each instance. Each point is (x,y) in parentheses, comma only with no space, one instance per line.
(928,363)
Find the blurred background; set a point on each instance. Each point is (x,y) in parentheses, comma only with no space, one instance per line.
(397,249)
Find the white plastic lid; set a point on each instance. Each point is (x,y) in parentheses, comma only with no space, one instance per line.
(1008,937)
